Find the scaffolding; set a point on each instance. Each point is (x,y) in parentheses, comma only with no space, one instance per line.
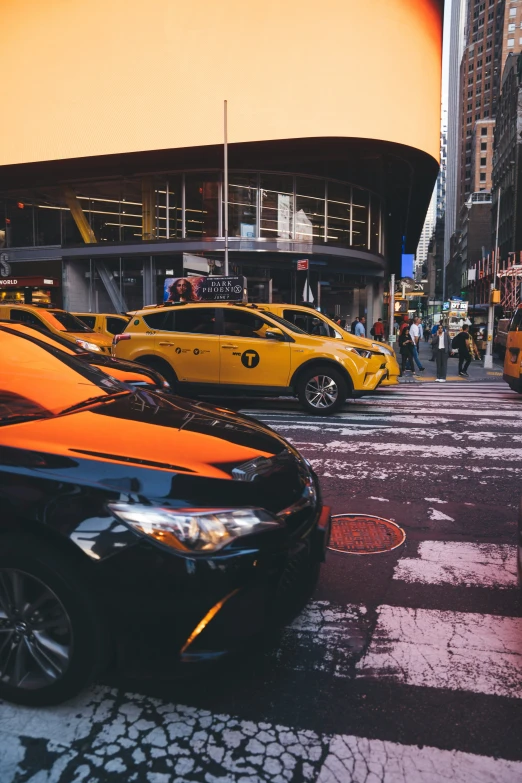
(510,282)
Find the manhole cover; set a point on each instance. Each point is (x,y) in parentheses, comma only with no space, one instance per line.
(363,534)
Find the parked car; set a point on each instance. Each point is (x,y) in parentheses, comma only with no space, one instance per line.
(108,324)
(134,516)
(58,322)
(121,370)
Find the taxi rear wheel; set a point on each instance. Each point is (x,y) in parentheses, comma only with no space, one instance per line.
(322,390)
(162,367)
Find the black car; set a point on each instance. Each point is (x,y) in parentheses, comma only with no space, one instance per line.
(130,515)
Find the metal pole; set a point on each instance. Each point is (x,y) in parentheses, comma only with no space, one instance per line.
(308,283)
(488,358)
(392,307)
(225,188)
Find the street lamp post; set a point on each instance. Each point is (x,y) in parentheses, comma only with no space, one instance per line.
(225,183)
(488,358)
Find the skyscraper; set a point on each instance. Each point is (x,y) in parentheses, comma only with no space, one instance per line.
(458,17)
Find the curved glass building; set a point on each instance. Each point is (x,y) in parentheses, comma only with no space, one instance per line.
(111,164)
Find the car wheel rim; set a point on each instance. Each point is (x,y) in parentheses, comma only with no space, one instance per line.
(321,392)
(35,632)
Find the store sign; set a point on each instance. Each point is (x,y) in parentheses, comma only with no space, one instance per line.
(27,282)
(205,289)
(302,265)
(5,268)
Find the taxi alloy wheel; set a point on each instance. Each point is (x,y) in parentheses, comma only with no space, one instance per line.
(322,391)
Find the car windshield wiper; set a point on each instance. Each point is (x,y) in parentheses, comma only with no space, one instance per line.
(93,401)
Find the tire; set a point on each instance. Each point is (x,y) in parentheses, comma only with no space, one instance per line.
(163,367)
(53,640)
(322,377)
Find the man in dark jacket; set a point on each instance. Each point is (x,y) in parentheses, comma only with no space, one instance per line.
(462,342)
(441,348)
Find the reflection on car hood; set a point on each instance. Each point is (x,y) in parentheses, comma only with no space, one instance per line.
(138,441)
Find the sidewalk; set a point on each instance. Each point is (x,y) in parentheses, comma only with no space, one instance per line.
(476,370)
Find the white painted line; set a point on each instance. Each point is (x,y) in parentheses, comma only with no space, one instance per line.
(362,470)
(427,451)
(360,760)
(460,564)
(438,516)
(137,737)
(456,650)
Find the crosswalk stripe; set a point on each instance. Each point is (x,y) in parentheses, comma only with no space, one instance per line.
(423,647)
(460,563)
(359,760)
(103,735)
(456,650)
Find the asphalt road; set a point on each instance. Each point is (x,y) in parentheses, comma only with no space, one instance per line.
(406,667)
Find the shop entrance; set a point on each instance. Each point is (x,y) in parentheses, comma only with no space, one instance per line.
(30,290)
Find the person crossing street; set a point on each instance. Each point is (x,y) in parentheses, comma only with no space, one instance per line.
(442,349)
(463,343)
(416,334)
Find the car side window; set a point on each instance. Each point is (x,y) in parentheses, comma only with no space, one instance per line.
(196,320)
(156,320)
(116,325)
(516,323)
(238,323)
(25,317)
(309,323)
(88,320)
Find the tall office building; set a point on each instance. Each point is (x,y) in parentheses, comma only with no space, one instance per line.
(512,32)
(425,237)
(458,17)
(443,172)
(479,84)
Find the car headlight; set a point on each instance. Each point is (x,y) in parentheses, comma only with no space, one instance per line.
(193,530)
(88,346)
(382,349)
(359,351)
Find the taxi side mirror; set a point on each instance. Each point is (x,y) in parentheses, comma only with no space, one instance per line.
(274,334)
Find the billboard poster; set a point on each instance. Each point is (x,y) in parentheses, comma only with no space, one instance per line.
(204,289)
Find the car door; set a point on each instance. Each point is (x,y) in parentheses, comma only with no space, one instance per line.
(188,340)
(248,357)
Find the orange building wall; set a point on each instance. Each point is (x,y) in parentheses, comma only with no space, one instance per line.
(108,76)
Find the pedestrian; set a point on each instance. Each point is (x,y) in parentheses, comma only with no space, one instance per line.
(360,330)
(462,342)
(442,349)
(416,333)
(406,349)
(427,333)
(378,330)
(354,324)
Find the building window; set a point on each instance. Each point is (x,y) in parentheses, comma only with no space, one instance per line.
(201,206)
(512,11)
(483,131)
(520,40)
(483,177)
(242,205)
(277,206)
(483,161)
(510,41)
(360,218)
(511,27)
(339,212)
(484,146)
(309,209)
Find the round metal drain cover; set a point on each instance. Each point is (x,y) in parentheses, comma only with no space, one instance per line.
(363,534)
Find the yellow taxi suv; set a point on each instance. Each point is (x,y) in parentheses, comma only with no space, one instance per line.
(108,324)
(513,357)
(58,322)
(232,348)
(318,324)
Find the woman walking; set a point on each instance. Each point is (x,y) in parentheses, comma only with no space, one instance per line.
(442,349)
(406,349)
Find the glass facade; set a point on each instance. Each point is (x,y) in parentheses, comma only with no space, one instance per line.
(190,205)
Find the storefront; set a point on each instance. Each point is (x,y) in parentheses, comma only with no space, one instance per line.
(30,290)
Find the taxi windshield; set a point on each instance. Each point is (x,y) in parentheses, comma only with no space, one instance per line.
(67,322)
(42,381)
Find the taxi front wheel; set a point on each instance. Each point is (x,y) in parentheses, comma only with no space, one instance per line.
(322,390)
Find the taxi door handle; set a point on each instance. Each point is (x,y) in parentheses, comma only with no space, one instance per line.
(229,346)
(167,343)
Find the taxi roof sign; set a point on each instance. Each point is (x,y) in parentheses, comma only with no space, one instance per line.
(204,289)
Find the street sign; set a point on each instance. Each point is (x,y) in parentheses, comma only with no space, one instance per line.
(302,265)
